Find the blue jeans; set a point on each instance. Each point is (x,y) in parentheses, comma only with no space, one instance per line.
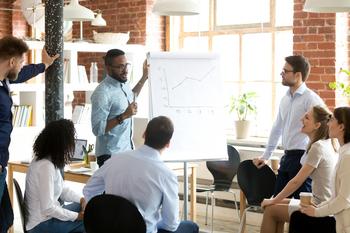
(184,227)
(2,182)
(55,225)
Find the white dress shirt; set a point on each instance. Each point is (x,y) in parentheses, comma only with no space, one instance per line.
(288,123)
(141,177)
(44,185)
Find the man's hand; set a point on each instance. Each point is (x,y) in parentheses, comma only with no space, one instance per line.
(145,69)
(308,210)
(47,59)
(80,216)
(130,110)
(259,162)
(0,169)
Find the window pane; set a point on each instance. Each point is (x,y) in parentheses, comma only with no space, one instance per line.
(230,12)
(263,119)
(230,89)
(228,48)
(257,57)
(283,48)
(284,12)
(196,44)
(194,23)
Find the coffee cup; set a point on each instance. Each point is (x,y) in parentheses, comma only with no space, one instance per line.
(275,161)
(93,165)
(305,198)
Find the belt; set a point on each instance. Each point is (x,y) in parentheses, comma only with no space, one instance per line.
(294,152)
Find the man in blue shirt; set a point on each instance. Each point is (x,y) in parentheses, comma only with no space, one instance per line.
(12,51)
(144,179)
(297,101)
(113,104)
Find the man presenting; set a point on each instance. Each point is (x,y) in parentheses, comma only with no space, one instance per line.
(113,104)
(142,177)
(298,100)
(12,52)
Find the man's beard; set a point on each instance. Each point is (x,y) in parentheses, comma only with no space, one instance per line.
(12,75)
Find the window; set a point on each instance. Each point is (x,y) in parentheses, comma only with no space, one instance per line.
(252,38)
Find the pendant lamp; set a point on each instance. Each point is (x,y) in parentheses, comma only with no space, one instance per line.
(76,12)
(327,6)
(176,7)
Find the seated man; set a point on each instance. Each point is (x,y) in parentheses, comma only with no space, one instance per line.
(142,177)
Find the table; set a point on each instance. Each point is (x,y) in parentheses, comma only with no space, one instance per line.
(178,168)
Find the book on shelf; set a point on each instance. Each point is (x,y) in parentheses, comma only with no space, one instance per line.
(22,116)
(81,114)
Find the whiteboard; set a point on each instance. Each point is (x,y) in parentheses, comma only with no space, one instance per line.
(186,87)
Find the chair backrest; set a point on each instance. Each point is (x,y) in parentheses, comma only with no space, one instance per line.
(224,171)
(21,204)
(255,183)
(112,214)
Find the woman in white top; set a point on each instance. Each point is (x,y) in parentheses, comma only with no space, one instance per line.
(339,204)
(53,148)
(318,163)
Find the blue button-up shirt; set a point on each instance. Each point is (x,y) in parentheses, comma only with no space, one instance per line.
(141,177)
(6,127)
(110,99)
(288,123)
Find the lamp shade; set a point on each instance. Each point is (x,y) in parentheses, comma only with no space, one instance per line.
(76,12)
(176,7)
(327,6)
(99,21)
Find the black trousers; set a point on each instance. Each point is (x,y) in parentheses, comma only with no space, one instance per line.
(289,167)
(101,159)
(301,223)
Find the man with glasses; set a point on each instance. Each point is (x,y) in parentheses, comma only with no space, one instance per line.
(293,106)
(113,105)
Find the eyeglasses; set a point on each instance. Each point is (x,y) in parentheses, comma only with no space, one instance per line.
(284,71)
(126,66)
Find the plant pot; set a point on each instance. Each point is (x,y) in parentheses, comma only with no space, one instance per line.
(242,129)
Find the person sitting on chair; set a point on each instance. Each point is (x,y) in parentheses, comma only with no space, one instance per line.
(53,149)
(142,177)
(318,162)
(339,204)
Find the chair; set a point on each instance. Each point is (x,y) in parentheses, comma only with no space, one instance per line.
(112,214)
(301,223)
(256,184)
(21,204)
(223,173)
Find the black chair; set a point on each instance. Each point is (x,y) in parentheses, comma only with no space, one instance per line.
(112,214)
(301,223)
(21,204)
(256,184)
(223,173)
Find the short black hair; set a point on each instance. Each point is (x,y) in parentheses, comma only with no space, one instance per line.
(299,64)
(159,132)
(56,142)
(342,115)
(112,54)
(11,46)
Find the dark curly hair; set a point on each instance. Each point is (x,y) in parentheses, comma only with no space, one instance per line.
(56,143)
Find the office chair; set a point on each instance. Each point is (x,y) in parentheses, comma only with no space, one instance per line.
(223,173)
(256,184)
(112,214)
(21,205)
(301,223)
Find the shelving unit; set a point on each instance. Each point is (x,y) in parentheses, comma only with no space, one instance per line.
(32,93)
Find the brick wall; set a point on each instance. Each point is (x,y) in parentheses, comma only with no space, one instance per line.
(314,38)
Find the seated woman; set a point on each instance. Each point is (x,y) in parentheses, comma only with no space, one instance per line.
(318,163)
(339,204)
(53,148)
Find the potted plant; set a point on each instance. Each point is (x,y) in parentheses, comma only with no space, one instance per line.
(343,87)
(243,105)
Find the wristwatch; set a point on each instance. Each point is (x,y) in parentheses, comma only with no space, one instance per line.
(120,119)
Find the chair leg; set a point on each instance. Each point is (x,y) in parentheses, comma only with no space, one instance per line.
(236,206)
(212,211)
(206,208)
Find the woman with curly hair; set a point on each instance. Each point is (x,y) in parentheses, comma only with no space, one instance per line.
(53,149)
